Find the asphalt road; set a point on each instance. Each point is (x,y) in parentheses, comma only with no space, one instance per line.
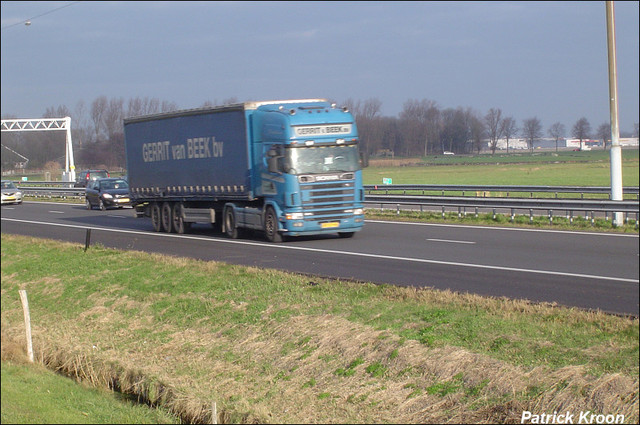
(585,270)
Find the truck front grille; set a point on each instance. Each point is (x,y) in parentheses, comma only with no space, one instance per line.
(325,202)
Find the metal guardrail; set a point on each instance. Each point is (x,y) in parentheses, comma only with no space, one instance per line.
(507,203)
(66,190)
(54,192)
(510,204)
(34,183)
(50,189)
(387,189)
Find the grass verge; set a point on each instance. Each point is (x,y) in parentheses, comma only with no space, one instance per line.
(269,346)
(32,394)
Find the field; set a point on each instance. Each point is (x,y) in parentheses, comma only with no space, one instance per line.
(542,169)
(274,347)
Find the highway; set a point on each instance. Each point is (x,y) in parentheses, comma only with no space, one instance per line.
(581,269)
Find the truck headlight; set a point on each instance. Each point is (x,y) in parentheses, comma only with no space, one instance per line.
(358,211)
(295,216)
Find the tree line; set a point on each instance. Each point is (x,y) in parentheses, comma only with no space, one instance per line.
(424,128)
(421,128)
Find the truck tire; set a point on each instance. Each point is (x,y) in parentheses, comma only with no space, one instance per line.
(156,220)
(166,217)
(271,226)
(179,226)
(230,223)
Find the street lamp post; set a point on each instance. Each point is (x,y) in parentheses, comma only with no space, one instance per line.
(616,150)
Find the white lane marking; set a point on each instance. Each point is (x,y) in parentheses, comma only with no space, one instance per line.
(451,241)
(331,251)
(56,212)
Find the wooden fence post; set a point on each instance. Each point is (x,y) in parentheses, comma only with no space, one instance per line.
(214,413)
(27,322)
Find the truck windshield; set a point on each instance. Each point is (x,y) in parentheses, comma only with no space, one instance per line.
(321,159)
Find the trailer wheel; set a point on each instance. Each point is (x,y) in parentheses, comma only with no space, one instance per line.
(167,224)
(178,221)
(230,223)
(155,217)
(271,226)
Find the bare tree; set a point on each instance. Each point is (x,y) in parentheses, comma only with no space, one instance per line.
(142,106)
(477,130)
(604,133)
(98,109)
(532,130)
(371,108)
(112,118)
(391,134)
(557,131)
(421,123)
(493,120)
(509,129)
(369,129)
(582,130)
(455,130)
(412,124)
(353,106)
(433,123)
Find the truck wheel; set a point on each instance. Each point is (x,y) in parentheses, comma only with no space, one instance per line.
(167,224)
(178,221)
(230,223)
(271,226)
(155,217)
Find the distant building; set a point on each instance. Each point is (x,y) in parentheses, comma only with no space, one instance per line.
(589,143)
(627,141)
(513,144)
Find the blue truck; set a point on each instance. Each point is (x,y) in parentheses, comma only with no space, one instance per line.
(285,168)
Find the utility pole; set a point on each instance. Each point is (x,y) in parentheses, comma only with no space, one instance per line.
(616,149)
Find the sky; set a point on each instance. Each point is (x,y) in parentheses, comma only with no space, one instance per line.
(544,59)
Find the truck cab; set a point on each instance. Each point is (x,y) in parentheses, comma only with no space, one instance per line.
(312,179)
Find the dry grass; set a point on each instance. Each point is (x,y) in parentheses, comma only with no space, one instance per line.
(289,375)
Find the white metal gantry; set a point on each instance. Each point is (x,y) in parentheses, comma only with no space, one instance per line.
(48,124)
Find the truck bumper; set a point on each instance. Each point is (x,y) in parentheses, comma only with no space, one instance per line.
(304,227)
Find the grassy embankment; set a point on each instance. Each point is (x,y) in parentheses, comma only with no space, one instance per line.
(269,346)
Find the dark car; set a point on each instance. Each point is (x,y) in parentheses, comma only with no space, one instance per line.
(107,193)
(84,177)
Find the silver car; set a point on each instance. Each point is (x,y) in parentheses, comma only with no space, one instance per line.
(10,193)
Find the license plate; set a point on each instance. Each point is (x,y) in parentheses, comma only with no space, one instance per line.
(330,225)
(122,200)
